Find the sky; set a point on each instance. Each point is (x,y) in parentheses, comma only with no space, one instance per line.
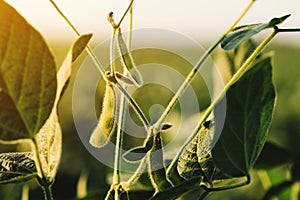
(198,19)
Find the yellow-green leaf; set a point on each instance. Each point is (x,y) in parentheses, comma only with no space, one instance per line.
(27,77)
(49,138)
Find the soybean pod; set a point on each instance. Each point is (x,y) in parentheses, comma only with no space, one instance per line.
(106,123)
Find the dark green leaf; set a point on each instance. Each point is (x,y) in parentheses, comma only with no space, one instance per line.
(135,154)
(188,165)
(240,35)
(272,156)
(27,77)
(196,160)
(250,104)
(17,167)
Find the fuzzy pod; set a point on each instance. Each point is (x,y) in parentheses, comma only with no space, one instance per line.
(106,124)
(128,61)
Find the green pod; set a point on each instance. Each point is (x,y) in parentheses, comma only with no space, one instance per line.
(128,61)
(106,122)
(156,167)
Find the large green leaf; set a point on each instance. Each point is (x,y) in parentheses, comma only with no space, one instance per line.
(49,138)
(250,103)
(17,167)
(27,77)
(245,32)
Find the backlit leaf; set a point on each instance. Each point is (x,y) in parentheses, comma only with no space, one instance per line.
(49,138)
(250,104)
(17,167)
(241,34)
(27,77)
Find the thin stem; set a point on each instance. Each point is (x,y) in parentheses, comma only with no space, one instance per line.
(135,106)
(121,120)
(204,195)
(88,48)
(282,30)
(196,68)
(138,171)
(246,182)
(125,13)
(112,52)
(43,180)
(235,78)
(130,26)
(101,68)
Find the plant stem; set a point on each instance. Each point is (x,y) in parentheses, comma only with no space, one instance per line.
(282,30)
(88,48)
(235,78)
(191,75)
(135,106)
(121,119)
(99,65)
(43,180)
(138,171)
(112,53)
(246,182)
(125,13)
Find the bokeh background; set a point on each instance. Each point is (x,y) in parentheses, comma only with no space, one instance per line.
(202,21)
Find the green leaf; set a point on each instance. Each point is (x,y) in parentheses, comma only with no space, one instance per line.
(188,165)
(49,138)
(196,159)
(135,154)
(17,167)
(267,159)
(27,77)
(250,104)
(241,34)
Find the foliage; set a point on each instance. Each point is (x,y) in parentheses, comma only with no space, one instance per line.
(31,88)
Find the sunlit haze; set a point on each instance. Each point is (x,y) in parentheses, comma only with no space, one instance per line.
(194,18)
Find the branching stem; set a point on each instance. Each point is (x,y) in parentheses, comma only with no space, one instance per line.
(235,78)
(196,68)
